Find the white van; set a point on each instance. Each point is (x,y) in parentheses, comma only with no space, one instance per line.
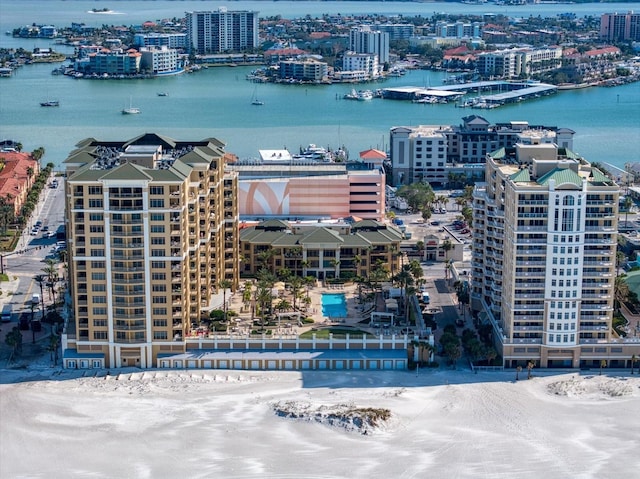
(35,299)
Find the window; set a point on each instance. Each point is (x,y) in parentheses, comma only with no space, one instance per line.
(97,264)
(96,229)
(100,299)
(97,240)
(99,335)
(157,217)
(157,228)
(158,276)
(96,276)
(158,252)
(97,252)
(159,312)
(157,240)
(159,335)
(158,288)
(159,299)
(95,190)
(100,311)
(157,203)
(156,190)
(94,203)
(158,264)
(98,287)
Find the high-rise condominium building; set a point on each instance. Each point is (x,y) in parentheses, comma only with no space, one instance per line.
(152,229)
(544,258)
(365,39)
(221,31)
(619,27)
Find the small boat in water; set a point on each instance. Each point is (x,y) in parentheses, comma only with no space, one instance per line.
(131,110)
(163,93)
(50,103)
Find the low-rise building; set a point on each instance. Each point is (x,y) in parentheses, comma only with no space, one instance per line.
(321,249)
(306,70)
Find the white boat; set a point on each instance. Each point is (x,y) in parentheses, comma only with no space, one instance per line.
(364,95)
(254,99)
(131,110)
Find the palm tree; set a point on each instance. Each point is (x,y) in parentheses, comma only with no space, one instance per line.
(518,371)
(490,354)
(336,264)
(296,286)
(530,366)
(224,284)
(41,280)
(14,340)
(628,202)
(634,358)
(621,291)
(447,246)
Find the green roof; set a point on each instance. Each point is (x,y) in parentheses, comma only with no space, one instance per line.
(562,176)
(521,176)
(128,171)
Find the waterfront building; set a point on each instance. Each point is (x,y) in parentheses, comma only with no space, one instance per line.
(321,249)
(620,27)
(307,70)
(514,62)
(544,258)
(221,31)
(152,230)
(169,40)
(364,62)
(110,62)
(159,60)
(442,154)
(367,39)
(397,31)
(282,187)
(458,29)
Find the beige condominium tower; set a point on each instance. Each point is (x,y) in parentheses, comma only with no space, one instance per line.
(152,229)
(544,258)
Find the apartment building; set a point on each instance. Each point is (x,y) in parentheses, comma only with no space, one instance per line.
(111,62)
(514,62)
(152,228)
(307,70)
(459,29)
(368,39)
(321,249)
(363,62)
(442,153)
(159,60)
(620,27)
(169,40)
(221,31)
(544,255)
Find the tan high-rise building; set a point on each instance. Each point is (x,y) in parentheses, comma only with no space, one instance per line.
(544,258)
(152,229)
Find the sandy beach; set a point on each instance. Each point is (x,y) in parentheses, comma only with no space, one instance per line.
(451,424)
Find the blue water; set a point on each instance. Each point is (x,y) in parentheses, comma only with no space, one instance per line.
(334,305)
(217,102)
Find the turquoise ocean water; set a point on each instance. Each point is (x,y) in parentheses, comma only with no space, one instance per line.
(217,102)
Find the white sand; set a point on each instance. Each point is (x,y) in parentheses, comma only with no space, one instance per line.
(223,424)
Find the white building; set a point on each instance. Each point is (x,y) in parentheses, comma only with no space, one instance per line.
(159,60)
(544,258)
(514,62)
(222,31)
(364,39)
(365,62)
(170,40)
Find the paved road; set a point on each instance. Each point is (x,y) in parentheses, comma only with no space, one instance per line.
(27,261)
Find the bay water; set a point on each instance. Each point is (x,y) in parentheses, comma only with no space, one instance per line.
(217,102)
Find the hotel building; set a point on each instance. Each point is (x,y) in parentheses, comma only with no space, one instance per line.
(221,31)
(544,255)
(367,39)
(152,230)
(620,27)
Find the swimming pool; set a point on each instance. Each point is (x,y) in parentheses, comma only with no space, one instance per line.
(334,305)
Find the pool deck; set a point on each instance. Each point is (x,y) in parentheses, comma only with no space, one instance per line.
(355,314)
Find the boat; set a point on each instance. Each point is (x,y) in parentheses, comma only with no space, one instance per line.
(163,93)
(254,99)
(50,103)
(131,110)
(360,95)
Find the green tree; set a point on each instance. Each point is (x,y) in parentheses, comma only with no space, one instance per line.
(13,339)
(225,284)
(603,364)
(530,366)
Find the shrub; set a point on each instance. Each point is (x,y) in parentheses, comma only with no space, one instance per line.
(307,320)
